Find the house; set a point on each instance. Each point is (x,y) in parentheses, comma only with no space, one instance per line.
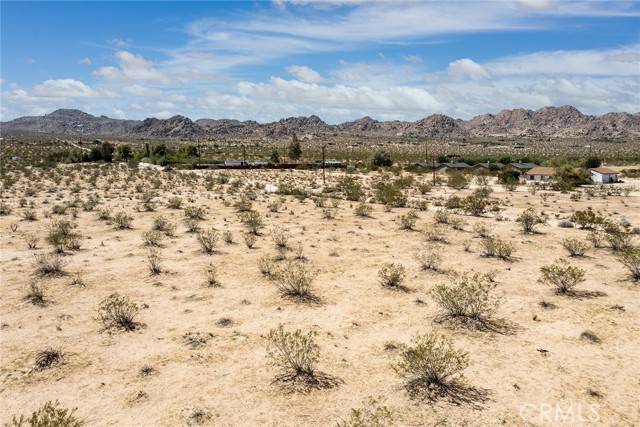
(235,163)
(429,165)
(455,166)
(603,175)
(488,166)
(539,173)
(521,166)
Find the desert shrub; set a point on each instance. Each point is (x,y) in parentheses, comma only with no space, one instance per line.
(351,188)
(122,221)
(252,221)
(249,239)
(597,238)
(382,158)
(5,209)
(32,240)
(468,296)
(36,294)
(266,266)
(294,353)
(482,230)
(195,212)
(104,214)
(453,202)
(50,414)
(280,237)
(431,363)
(370,415)
(493,246)
(363,210)
(429,259)
(118,312)
(29,215)
(618,239)
(457,180)
(164,225)
(457,223)
(294,280)
(193,225)
(475,204)
(152,238)
(391,275)
(575,247)
(49,264)
(442,216)
(563,276)
(154,262)
(435,233)
(389,194)
(243,204)
(529,218)
(174,203)
(48,358)
(61,235)
(211,274)
(630,258)
(587,218)
(408,220)
(208,240)
(328,213)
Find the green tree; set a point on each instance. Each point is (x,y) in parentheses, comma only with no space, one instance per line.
(295,152)
(124,152)
(107,151)
(592,162)
(382,158)
(275,156)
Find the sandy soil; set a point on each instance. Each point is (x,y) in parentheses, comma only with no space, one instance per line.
(542,373)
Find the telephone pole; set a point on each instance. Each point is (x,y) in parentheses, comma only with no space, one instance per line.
(324,180)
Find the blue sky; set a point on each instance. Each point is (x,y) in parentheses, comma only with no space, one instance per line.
(339,59)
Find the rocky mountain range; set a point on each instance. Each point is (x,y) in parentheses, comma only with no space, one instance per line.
(547,122)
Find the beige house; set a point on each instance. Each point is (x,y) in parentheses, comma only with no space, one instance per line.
(603,175)
(539,174)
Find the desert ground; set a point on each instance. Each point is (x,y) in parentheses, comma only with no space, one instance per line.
(198,352)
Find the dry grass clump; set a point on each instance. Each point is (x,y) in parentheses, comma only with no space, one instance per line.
(29,215)
(631,259)
(154,261)
(118,312)
(36,294)
(50,414)
(575,247)
(529,218)
(267,266)
(469,298)
(48,358)
(561,275)
(431,366)
(280,237)
(391,275)
(493,246)
(429,258)
(294,353)
(249,239)
(31,240)
(208,240)
(227,237)
(211,274)
(49,264)
(294,280)
(371,414)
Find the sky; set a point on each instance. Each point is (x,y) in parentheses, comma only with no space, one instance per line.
(338,59)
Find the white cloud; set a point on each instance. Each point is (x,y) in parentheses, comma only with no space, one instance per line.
(414,59)
(467,68)
(85,61)
(139,90)
(131,67)
(163,115)
(304,74)
(119,114)
(118,42)
(63,88)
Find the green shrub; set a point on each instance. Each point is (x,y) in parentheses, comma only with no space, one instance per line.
(61,235)
(294,353)
(529,218)
(391,275)
(252,221)
(294,280)
(561,275)
(50,414)
(122,221)
(630,258)
(587,218)
(408,220)
(429,259)
(363,210)
(457,180)
(118,312)
(370,415)
(495,247)
(208,240)
(575,247)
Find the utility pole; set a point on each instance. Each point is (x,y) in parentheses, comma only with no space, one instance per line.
(199,151)
(244,154)
(324,180)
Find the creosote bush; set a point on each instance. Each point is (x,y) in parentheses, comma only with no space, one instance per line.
(153,261)
(364,210)
(36,294)
(122,221)
(372,414)
(561,275)
(211,273)
(208,240)
(431,363)
(294,280)
(469,296)
(118,312)
(630,258)
(528,219)
(50,414)
(575,247)
(280,237)
(49,264)
(493,246)
(429,258)
(408,220)
(61,235)
(152,238)
(294,353)
(391,275)
(252,221)
(249,240)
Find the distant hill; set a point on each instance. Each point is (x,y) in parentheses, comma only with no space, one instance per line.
(547,122)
